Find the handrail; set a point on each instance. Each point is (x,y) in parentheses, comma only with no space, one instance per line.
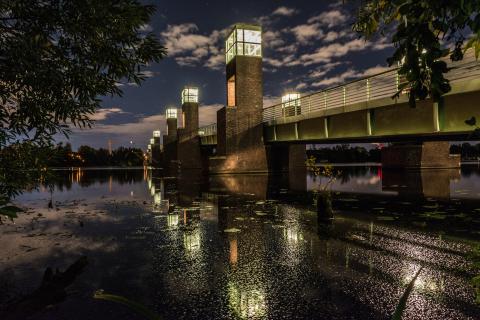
(381,85)
(208,130)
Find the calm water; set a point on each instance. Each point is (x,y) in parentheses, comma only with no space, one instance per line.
(250,247)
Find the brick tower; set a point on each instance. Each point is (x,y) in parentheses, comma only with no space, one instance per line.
(240,132)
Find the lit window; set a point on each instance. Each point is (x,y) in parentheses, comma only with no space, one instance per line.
(156,134)
(152,141)
(244,40)
(149,147)
(171,113)
(291,104)
(190,95)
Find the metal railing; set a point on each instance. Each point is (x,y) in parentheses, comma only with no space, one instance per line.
(375,87)
(382,85)
(208,130)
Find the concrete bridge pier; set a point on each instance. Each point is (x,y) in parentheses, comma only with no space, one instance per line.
(431,154)
(286,158)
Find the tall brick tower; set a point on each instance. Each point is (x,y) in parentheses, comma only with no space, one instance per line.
(190,110)
(189,155)
(170,141)
(239,124)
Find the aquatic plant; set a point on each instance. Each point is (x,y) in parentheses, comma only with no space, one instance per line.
(402,303)
(475,258)
(323,193)
(133,305)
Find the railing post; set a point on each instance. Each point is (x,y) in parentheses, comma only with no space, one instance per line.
(325,100)
(368,90)
(397,80)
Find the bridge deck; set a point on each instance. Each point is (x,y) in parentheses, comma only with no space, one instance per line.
(364,110)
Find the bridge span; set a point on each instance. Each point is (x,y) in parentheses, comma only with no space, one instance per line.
(364,111)
(250,138)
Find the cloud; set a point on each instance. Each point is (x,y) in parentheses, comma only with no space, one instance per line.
(306,32)
(191,49)
(330,18)
(272,39)
(284,11)
(326,53)
(141,126)
(181,38)
(145,28)
(208,114)
(350,74)
(269,101)
(148,74)
(104,113)
(324,69)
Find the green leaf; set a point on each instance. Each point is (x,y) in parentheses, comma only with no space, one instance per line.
(10,211)
(402,303)
(133,305)
(471,122)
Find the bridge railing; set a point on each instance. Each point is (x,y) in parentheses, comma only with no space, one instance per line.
(208,130)
(382,85)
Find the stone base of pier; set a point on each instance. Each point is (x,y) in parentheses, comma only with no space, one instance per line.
(420,155)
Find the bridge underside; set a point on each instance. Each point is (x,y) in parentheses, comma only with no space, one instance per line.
(373,122)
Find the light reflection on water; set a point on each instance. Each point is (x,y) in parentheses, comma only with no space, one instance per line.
(250,247)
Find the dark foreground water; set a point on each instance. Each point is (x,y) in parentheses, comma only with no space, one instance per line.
(250,247)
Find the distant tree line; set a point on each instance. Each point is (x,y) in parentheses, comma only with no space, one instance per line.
(86,156)
(345,154)
(466,150)
(348,154)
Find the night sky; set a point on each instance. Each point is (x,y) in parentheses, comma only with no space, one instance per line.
(308,45)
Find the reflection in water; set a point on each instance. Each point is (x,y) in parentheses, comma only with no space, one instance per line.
(426,282)
(247,247)
(172,220)
(233,251)
(246,302)
(192,241)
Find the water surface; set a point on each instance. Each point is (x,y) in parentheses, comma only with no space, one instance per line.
(250,246)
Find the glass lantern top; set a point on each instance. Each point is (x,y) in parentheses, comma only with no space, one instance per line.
(190,94)
(171,113)
(291,99)
(244,40)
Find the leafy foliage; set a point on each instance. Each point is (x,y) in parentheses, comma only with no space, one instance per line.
(475,258)
(402,303)
(472,122)
(58,57)
(424,32)
(132,305)
(324,171)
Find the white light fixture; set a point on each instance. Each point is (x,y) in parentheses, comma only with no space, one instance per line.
(244,40)
(190,94)
(171,113)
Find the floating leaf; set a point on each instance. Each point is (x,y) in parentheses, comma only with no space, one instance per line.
(133,305)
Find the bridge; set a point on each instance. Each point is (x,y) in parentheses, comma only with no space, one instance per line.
(250,138)
(363,110)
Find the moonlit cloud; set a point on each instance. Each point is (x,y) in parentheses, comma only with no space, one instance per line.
(350,74)
(104,113)
(284,11)
(305,48)
(330,18)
